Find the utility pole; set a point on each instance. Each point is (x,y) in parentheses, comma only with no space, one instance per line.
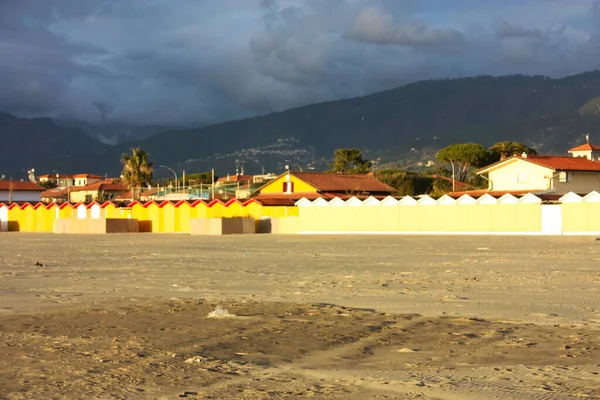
(453,177)
(212,184)
(174,174)
(10,191)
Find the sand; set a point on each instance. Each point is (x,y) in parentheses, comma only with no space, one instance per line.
(319,317)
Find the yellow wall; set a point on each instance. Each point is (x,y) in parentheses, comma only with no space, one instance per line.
(46,218)
(80,195)
(505,177)
(233,209)
(421,218)
(66,211)
(154,215)
(276,185)
(253,210)
(182,217)
(168,218)
(216,210)
(199,210)
(579,216)
(110,211)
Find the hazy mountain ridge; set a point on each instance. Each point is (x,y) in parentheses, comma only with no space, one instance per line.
(42,144)
(416,118)
(405,122)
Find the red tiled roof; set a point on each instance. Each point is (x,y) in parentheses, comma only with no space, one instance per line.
(293,196)
(123,195)
(584,147)
(236,178)
(494,193)
(151,192)
(50,176)
(20,186)
(277,202)
(333,182)
(564,163)
(89,176)
(106,186)
(54,193)
(556,163)
(284,199)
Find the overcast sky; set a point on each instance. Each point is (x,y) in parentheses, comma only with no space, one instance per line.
(201,61)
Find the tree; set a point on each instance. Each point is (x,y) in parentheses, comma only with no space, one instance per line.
(350,161)
(103,197)
(462,157)
(48,184)
(503,150)
(201,177)
(406,183)
(137,171)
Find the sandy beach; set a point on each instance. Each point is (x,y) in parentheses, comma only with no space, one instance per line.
(319,317)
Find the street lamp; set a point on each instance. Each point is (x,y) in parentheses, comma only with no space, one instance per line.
(132,188)
(174,173)
(68,186)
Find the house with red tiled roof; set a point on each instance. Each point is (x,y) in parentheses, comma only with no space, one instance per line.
(87,179)
(99,191)
(543,174)
(587,150)
(238,178)
(61,180)
(292,186)
(19,191)
(64,180)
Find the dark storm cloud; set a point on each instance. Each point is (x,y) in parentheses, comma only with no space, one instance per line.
(199,61)
(507,30)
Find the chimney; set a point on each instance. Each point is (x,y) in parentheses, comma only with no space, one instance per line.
(524,155)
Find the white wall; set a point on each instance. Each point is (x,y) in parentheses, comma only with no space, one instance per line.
(30,196)
(3,219)
(532,177)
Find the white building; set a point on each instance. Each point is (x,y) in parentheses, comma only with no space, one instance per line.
(19,191)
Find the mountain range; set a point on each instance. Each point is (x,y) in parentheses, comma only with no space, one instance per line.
(406,123)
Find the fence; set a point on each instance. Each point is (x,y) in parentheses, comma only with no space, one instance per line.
(167,216)
(573,215)
(528,215)
(194,192)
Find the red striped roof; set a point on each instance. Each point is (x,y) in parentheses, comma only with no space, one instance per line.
(564,163)
(494,193)
(89,176)
(20,186)
(586,146)
(556,163)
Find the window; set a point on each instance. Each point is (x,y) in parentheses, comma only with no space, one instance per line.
(288,187)
(521,177)
(564,176)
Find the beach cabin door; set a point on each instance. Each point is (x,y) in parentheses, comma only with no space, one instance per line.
(551,219)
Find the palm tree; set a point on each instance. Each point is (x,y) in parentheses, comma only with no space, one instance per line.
(504,149)
(137,171)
